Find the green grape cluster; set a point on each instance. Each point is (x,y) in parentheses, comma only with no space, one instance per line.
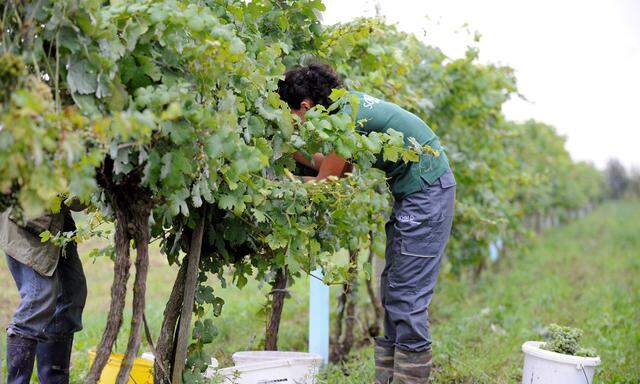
(566,340)
(12,72)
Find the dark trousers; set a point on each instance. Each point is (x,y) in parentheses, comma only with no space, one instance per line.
(50,312)
(417,234)
(50,306)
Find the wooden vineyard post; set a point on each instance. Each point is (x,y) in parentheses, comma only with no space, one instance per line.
(278,295)
(189,297)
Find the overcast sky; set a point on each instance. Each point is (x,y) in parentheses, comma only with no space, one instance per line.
(577,61)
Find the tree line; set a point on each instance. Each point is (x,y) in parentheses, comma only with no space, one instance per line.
(622,182)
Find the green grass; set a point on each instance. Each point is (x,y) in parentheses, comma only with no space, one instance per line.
(584,275)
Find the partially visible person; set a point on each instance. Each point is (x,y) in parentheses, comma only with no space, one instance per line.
(53,291)
(417,231)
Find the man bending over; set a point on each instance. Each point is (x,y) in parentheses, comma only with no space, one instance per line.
(417,231)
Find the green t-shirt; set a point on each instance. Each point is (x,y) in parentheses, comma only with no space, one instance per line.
(404,178)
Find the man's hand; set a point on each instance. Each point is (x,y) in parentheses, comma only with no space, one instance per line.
(75,204)
(315,163)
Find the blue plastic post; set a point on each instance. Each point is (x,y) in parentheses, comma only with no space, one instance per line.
(494,252)
(319,316)
(494,249)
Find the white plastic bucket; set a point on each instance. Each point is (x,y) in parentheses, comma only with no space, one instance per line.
(250,357)
(546,367)
(270,367)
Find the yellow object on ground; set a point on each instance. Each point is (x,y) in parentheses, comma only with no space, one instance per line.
(141,373)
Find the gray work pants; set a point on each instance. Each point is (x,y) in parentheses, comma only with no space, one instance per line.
(417,234)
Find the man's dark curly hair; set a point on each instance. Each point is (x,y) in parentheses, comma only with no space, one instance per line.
(314,82)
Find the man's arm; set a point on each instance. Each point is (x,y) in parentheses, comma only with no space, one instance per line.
(331,165)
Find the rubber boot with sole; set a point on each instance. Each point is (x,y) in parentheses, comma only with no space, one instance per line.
(384,364)
(21,353)
(411,367)
(53,360)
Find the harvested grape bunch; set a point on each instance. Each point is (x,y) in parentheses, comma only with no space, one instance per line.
(565,340)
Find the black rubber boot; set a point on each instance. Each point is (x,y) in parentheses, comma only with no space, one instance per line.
(53,359)
(21,353)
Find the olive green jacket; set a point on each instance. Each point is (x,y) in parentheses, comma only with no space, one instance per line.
(23,242)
